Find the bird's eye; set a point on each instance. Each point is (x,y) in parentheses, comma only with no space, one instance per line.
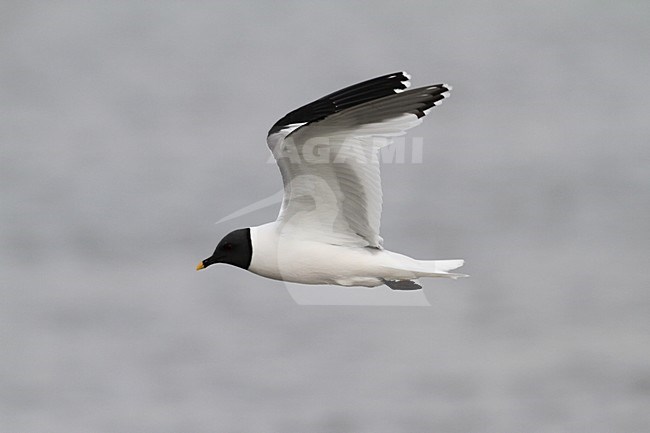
(227,246)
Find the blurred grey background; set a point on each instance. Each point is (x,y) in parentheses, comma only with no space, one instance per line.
(128,128)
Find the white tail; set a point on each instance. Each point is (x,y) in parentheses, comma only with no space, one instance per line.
(438,268)
(402,267)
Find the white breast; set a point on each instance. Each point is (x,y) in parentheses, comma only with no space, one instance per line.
(287,258)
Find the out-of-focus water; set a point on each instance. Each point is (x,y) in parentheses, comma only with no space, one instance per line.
(127,129)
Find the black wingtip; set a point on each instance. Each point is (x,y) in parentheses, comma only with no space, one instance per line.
(347,97)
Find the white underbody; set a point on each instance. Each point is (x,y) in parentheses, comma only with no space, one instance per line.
(280,256)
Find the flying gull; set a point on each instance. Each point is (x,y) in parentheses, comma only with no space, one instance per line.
(327,231)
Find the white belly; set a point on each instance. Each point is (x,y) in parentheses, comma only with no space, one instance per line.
(309,262)
(315,263)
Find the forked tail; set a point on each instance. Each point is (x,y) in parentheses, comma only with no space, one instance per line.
(424,268)
(439,268)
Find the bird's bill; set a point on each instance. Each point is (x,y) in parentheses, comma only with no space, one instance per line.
(209,261)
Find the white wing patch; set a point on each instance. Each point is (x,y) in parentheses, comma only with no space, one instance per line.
(330,167)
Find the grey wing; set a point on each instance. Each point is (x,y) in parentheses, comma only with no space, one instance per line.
(330,167)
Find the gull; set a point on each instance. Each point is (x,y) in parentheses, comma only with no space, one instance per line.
(327,231)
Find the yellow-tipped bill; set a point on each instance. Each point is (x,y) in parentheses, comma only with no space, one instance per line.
(200,266)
